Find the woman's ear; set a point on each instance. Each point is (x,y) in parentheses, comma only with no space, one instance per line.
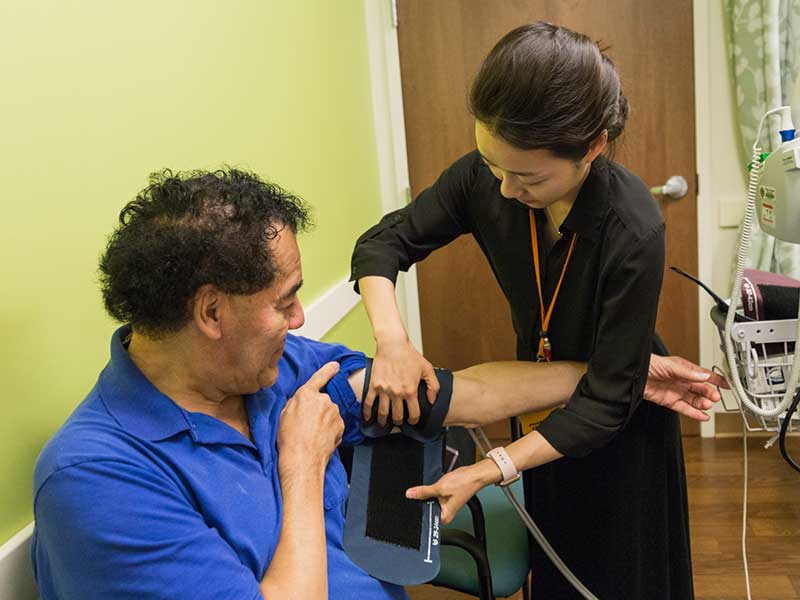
(207,311)
(597,146)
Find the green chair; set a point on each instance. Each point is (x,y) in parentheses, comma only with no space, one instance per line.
(484,550)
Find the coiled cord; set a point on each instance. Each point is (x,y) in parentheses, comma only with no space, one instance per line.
(741,259)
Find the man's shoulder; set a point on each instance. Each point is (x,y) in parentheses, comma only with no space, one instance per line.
(303,356)
(90,434)
(299,346)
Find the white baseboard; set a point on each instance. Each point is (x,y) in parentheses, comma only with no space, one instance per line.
(16,575)
(327,310)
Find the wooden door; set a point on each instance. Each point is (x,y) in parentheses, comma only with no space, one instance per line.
(465,318)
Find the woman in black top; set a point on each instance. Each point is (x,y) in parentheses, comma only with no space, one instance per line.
(547,103)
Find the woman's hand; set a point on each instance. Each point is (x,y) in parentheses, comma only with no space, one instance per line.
(397,370)
(454,489)
(680,385)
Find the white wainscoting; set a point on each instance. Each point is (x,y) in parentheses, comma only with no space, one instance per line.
(16,577)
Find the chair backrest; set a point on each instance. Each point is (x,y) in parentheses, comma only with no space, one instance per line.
(16,572)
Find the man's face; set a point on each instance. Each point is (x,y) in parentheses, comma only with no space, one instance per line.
(259,322)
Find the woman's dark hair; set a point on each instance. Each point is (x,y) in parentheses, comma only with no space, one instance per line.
(185,230)
(544,86)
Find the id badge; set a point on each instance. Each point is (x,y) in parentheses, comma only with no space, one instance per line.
(530,421)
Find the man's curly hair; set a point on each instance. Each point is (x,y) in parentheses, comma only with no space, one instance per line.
(186,230)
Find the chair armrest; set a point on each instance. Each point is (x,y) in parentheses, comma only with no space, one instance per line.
(477,550)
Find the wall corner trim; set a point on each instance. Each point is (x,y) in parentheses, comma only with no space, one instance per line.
(327,310)
(16,575)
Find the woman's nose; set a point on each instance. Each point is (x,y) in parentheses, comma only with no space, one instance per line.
(509,186)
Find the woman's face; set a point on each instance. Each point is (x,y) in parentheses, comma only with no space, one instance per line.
(537,178)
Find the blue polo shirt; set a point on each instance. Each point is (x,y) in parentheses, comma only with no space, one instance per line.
(137,498)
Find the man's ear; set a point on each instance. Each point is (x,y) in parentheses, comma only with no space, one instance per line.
(208,310)
(597,146)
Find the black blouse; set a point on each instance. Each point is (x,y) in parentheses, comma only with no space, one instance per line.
(606,310)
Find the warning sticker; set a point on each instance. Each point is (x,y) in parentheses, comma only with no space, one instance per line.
(767,214)
(767,197)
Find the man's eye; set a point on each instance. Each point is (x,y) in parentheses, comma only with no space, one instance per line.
(533,182)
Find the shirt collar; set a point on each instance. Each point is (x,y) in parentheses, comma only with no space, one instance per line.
(586,216)
(136,403)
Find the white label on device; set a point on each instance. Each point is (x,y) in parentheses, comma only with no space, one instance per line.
(430,531)
(791,159)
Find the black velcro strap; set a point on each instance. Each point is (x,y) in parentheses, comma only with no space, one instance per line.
(397,464)
(392,538)
(431,416)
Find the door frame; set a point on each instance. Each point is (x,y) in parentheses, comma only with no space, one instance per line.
(390,137)
(707,212)
(384,60)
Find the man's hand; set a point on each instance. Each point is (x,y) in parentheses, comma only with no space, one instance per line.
(309,431)
(680,385)
(310,428)
(396,372)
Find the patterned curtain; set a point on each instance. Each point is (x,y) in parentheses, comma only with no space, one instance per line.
(763,48)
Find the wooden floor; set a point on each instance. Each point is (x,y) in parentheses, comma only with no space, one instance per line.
(714,471)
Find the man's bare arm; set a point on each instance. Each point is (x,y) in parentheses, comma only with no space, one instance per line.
(493,391)
(490,392)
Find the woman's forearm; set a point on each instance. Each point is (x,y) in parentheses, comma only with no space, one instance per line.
(378,295)
(529,451)
(455,488)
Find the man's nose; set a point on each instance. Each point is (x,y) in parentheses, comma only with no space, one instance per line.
(298,316)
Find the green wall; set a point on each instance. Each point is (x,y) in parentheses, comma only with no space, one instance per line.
(354,331)
(94,95)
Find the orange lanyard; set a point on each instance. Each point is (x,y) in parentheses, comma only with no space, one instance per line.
(544,353)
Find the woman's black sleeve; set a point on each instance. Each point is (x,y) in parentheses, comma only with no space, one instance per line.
(406,236)
(611,390)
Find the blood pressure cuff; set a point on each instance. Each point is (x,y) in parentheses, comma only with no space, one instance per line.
(392,538)
(431,416)
(769,296)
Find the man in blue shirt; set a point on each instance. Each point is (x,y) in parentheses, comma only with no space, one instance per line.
(192,470)
(203,462)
